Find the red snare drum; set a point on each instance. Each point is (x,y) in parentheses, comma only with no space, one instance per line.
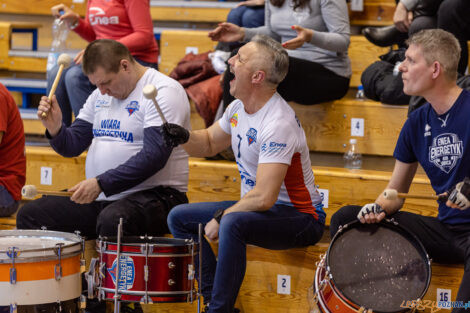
(373,267)
(153,269)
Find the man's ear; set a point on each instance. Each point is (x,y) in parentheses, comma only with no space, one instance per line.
(436,69)
(125,64)
(258,77)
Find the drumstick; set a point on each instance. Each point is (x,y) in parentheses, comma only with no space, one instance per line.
(392,194)
(64,61)
(30,192)
(150,92)
(214,245)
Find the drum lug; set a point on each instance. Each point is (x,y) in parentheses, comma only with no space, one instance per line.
(101,295)
(13,308)
(13,253)
(171,282)
(102,270)
(143,249)
(146,300)
(146,273)
(171,265)
(191,272)
(58,272)
(58,266)
(82,260)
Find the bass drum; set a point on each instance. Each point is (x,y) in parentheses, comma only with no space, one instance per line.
(371,267)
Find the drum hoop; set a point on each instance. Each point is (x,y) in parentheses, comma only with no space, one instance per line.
(335,291)
(150,293)
(34,233)
(153,255)
(35,259)
(390,223)
(181,242)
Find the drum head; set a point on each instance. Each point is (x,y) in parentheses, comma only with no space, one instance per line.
(378,266)
(37,243)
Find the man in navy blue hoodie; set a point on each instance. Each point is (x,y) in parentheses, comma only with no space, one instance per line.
(437,136)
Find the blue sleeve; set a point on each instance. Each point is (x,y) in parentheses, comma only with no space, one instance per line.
(72,141)
(153,157)
(404,151)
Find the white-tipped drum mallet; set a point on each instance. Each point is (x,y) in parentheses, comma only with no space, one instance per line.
(30,192)
(63,61)
(150,92)
(392,194)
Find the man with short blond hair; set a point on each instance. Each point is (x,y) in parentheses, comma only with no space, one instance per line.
(437,136)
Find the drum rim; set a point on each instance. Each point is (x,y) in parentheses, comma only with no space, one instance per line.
(389,223)
(113,240)
(33,233)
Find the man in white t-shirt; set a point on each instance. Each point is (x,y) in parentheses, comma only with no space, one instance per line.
(280,206)
(131,172)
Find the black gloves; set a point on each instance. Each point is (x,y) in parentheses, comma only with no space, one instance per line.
(174,134)
(460,195)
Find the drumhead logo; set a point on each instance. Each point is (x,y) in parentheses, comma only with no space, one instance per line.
(445,151)
(126,273)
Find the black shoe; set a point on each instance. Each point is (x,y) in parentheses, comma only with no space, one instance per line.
(384,36)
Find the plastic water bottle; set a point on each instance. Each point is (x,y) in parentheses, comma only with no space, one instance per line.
(352,157)
(360,93)
(60,32)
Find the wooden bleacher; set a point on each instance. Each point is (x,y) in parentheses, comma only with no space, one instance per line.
(376,12)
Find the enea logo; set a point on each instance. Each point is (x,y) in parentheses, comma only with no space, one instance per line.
(445,151)
(96,16)
(126,273)
(132,107)
(251,135)
(234,120)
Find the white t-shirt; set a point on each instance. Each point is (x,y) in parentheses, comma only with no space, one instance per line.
(273,135)
(118,130)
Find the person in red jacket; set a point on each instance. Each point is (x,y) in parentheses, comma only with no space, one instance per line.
(126,21)
(12,158)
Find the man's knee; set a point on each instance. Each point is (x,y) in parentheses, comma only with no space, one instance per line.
(233,223)
(27,217)
(108,221)
(177,215)
(253,18)
(73,76)
(343,216)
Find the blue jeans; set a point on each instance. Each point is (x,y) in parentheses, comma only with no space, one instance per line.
(281,227)
(8,205)
(245,16)
(74,88)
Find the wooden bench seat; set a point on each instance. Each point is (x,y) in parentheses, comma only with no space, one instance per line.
(31,124)
(375,13)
